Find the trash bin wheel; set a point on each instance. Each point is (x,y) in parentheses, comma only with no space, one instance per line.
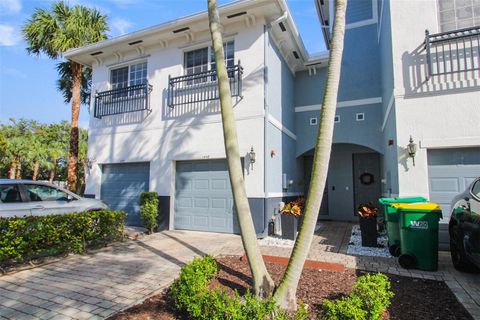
(407,261)
(394,250)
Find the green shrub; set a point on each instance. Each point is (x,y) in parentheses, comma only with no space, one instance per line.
(149,210)
(371,295)
(348,308)
(191,295)
(374,291)
(39,236)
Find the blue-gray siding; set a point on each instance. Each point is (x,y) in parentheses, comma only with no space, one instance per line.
(280,98)
(121,187)
(359,10)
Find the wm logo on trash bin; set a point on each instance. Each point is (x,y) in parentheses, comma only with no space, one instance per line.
(419,224)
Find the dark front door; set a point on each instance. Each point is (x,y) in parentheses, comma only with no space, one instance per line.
(366,175)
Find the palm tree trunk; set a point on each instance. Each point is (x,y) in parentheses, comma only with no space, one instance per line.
(262,282)
(73,152)
(51,177)
(18,171)
(285,295)
(36,167)
(11,170)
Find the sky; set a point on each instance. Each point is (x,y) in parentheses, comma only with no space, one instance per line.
(28,83)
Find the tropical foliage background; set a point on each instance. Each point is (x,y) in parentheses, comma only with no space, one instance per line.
(32,150)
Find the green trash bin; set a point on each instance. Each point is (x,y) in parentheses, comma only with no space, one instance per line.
(391,220)
(419,235)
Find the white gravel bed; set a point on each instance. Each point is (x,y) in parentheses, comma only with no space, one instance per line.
(355,245)
(276,241)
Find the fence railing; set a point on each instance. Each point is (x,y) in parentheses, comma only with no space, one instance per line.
(453,52)
(202,86)
(122,100)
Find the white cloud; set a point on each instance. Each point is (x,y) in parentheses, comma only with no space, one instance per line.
(120,26)
(10,6)
(9,36)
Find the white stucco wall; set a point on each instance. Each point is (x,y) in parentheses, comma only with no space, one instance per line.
(165,135)
(440,113)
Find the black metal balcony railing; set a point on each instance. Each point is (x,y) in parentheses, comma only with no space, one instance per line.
(453,52)
(202,86)
(123,100)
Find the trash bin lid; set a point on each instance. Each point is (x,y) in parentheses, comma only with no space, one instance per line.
(385,201)
(419,206)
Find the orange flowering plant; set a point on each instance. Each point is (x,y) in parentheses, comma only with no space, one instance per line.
(294,208)
(367,210)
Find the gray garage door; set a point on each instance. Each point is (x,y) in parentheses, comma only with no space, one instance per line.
(203,197)
(122,185)
(450,171)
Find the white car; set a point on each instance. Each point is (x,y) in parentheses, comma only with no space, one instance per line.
(20,198)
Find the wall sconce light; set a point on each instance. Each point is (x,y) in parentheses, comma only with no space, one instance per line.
(252,155)
(90,162)
(412,149)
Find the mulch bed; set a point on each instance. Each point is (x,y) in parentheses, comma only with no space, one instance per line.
(414,298)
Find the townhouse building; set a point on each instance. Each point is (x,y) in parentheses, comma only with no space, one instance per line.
(406,83)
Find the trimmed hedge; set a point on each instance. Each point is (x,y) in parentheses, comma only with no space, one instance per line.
(33,237)
(192,296)
(149,210)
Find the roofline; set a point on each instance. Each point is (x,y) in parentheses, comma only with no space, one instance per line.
(69,54)
(296,35)
(325,28)
(156,28)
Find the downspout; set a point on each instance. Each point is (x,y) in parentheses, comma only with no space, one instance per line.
(265,133)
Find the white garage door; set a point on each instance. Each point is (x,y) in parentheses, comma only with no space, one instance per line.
(450,171)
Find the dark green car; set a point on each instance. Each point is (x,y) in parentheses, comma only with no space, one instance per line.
(464,229)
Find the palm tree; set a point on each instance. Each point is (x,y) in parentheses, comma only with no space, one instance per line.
(64,83)
(262,282)
(56,31)
(285,295)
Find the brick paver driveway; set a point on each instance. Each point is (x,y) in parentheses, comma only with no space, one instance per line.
(98,285)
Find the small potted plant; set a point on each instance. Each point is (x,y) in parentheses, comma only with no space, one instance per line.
(368,224)
(289,220)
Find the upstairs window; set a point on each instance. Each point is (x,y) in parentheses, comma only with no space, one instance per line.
(229,51)
(196,61)
(119,78)
(458,14)
(129,75)
(202,60)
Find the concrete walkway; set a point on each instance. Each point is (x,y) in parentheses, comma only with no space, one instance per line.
(98,285)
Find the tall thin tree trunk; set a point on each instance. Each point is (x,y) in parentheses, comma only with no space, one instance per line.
(73,152)
(36,167)
(51,176)
(262,282)
(285,294)
(11,170)
(18,171)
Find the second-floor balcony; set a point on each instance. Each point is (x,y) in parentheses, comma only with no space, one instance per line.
(202,86)
(453,53)
(122,100)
